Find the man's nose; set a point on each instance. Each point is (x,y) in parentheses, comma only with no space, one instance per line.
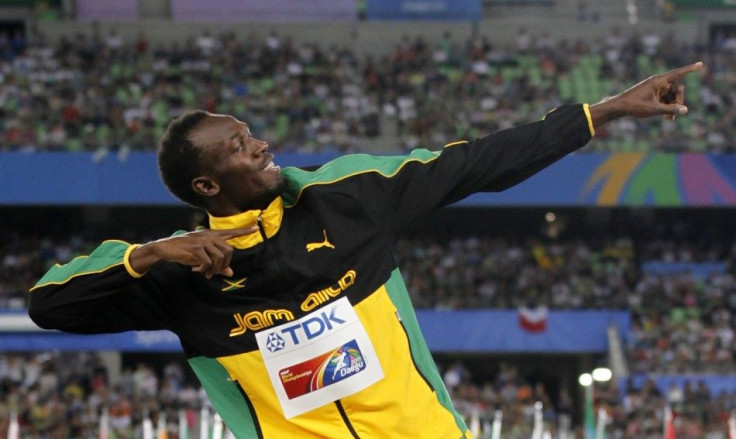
(261,146)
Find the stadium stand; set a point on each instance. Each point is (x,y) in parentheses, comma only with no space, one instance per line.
(101,93)
(111,89)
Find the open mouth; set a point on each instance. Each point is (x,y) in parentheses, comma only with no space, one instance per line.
(270,166)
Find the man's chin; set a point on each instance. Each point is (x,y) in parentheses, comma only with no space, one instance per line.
(265,200)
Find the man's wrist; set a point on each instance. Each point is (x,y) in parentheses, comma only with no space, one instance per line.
(605,111)
(140,258)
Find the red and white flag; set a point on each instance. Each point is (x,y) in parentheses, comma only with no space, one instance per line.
(669,423)
(533,319)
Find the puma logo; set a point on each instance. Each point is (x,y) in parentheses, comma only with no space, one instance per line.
(315,245)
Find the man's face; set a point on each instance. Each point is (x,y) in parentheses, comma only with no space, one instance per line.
(237,163)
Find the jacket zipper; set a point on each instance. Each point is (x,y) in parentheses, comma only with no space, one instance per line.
(345,419)
(408,341)
(261,230)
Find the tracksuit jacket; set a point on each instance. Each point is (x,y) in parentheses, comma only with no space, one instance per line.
(314,335)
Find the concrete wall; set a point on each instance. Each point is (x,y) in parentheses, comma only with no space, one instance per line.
(500,24)
(380,37)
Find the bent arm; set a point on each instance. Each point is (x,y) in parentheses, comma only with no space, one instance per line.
(98,293)
(120,286)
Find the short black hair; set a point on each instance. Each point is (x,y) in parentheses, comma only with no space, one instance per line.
(178,157)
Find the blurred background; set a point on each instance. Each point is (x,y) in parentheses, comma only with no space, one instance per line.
(621,256)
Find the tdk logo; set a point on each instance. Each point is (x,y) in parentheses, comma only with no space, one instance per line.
(312,327)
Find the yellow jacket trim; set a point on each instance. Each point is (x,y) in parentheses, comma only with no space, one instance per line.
(459,142)
(126,261)
(586,109)
(271,219)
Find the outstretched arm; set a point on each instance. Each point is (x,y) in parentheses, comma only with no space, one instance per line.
(424,181)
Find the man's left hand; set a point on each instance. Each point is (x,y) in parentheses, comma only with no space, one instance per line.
(658,95)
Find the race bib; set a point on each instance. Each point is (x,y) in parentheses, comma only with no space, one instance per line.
(320,358)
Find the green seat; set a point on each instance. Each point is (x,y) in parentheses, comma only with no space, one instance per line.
(74,144)
(282,127)
(565,88)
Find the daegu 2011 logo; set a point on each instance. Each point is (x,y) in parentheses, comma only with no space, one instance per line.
(346,361)
(323,370)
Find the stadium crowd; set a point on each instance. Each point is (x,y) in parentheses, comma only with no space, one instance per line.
(63,395)
(95,92)
(682,298)
(683,317)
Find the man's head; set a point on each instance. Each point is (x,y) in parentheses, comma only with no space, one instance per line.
(213,161)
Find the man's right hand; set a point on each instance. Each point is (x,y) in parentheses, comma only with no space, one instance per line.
(206,251)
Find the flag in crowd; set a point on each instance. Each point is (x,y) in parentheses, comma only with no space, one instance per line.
(600,428)
(533,319)
(474,425)
(538,430)
(161,432)
(14,427)
(204,424)
(183,425)
(669,423)
(147,427)
(589,414)
(497,420)
(105,424)
(217,427)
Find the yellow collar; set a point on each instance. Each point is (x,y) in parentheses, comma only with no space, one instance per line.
(270,218)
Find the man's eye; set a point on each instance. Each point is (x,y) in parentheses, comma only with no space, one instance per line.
(240,147)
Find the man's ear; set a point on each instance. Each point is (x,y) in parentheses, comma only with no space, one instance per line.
(205,186)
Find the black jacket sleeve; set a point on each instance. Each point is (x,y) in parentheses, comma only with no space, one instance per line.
(98,293)
(491,163)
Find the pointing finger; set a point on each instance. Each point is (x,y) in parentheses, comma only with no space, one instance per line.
(676,74)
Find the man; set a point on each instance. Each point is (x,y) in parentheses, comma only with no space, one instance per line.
(290,308)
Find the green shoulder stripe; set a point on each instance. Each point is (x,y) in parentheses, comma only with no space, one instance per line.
(346,167)
(109,254)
